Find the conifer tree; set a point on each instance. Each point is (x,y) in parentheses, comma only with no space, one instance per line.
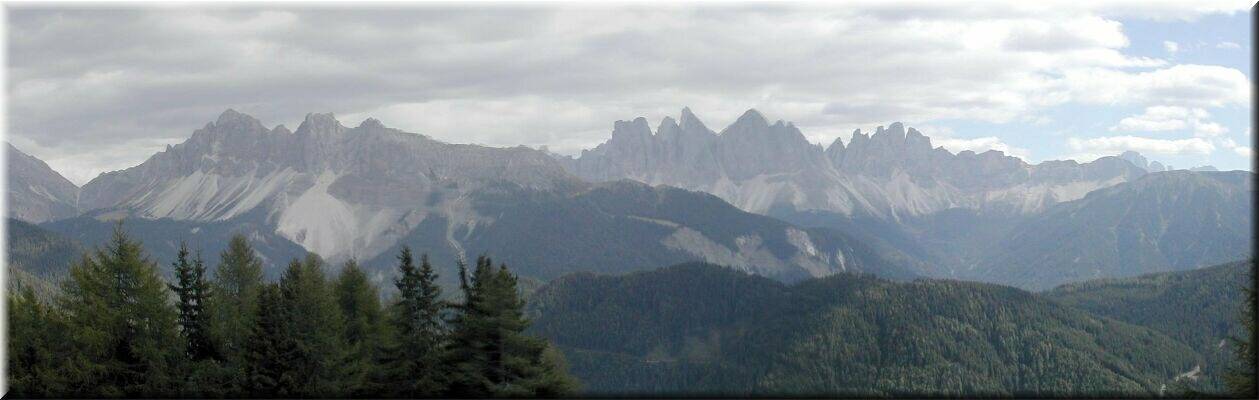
(268,352)
(490,353)
(37,347)
(364,327)
(312,320)
(193,291)
(234,306)
(415,366)
(470,332)
(1240,379)
(121,323)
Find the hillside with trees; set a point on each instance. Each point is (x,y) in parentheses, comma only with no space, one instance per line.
(1201,308)
(704,330)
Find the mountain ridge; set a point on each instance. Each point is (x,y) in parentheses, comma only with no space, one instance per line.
(893,173)
(35,192)
(362,192)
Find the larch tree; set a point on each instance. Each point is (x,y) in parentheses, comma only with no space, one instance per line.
(121,322)
(365,325)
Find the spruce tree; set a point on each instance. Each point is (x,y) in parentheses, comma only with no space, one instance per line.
(121,323)
(193,291)
(470,332)
(491,355)
(364,327)
(268,353)
(415,367)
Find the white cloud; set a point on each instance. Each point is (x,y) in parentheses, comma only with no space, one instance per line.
(1244,151)
(1184,85)
(1171,47)
(1227,45)
(980,145)
(1208,129)
(1118,144)
(1172,118)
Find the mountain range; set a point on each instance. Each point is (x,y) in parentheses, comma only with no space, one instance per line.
(892,174)
(757,197)
(361,193)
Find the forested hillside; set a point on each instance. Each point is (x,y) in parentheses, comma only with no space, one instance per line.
(1201,308)
(700,329)
(37,258)
(162,237)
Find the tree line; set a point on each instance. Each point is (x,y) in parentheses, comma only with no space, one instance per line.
(117,329)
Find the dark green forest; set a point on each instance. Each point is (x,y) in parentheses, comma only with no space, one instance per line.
(1199,308)
(36,257)
(116,328)
(705,330)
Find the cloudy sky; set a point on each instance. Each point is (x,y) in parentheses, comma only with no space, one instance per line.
(94,90)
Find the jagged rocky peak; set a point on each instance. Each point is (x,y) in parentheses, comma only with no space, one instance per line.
(838,144)
(1153,166)
(320,124)
(914,138)
(231,122)
(231,117)
(689,122)
(371,123)
(668,128)
(635,130)
(895,133)
(750,122)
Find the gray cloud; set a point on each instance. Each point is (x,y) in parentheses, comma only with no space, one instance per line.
(133,80)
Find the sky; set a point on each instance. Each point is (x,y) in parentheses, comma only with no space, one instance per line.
(96,88)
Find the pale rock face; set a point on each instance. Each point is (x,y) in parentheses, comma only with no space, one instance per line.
(36,193)
(891,174)
(340,192)
(751,255)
